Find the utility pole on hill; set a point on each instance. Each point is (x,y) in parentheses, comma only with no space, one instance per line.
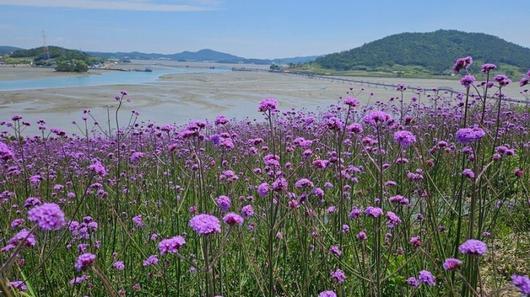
(45,45)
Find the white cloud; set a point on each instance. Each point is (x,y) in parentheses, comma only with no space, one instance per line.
(132,5)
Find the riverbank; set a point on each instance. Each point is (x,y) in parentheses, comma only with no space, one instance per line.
(24,72)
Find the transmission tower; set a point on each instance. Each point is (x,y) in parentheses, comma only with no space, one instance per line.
(45,46)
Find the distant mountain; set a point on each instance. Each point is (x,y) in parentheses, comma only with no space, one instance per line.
(6,50)
(203,55)
(128,55)
(435,52)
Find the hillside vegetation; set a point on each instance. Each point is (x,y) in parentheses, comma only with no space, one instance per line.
(62,59)
(431,53)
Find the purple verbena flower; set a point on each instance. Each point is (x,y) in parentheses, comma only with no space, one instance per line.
(327,294)
(268,104)
(404,138)
(205,224)
(171,245)
(84,260)
(427,278)
(233,219)
(48,216)
(522,282)
(473,247)
(451,264)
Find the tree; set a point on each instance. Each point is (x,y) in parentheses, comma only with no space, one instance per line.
(72,65)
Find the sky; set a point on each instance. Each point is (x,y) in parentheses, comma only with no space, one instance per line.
(248,28)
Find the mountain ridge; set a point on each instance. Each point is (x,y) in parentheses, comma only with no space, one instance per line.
(202,55)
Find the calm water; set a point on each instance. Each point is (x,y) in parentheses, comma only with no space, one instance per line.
(104,78)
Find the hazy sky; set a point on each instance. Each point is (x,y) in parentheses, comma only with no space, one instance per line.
(249,28)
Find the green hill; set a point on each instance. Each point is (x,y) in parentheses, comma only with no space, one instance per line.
(55,52)
(63,59)
(432,53)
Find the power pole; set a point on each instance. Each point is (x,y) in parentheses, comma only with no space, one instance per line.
(45,46)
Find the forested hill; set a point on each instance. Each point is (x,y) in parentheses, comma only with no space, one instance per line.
(434,51)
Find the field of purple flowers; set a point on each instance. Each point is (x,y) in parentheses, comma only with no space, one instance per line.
(424,194)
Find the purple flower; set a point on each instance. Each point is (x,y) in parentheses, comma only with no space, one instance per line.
(18,285)
(415,241)
(78,279)
(502,80)
(451,264)
(377,117)
(318,192)
(335,250)
(399,199)
(351,102)
(404,138)
(48,216)
(223,202)
(373,211)
(334,123)
(84,260)
(355,212)
(327,294)
(338,276)
(488,67)
(233,219)
(263,189)
(151,260)
(205,224)
(138,221)
(361,236)
(35,180)
(221,120)
(98,168)
(17,222)
(392,219)
(473,247)
(118,265)
(247,211)
(468,173)
(320,164)
(462,63)
(522,282)
(467,80)
(468,135)
(136,156)
(413,282)
(280,184)
(268,104)
(303,183)
(355,128)
(272,160)
(23,237)
(5,152)
(171,245)
(427,278)
(523,82)
(229,175)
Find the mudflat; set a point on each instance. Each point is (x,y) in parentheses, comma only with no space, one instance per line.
(176,98)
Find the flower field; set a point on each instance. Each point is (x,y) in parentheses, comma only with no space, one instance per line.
(422,194)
